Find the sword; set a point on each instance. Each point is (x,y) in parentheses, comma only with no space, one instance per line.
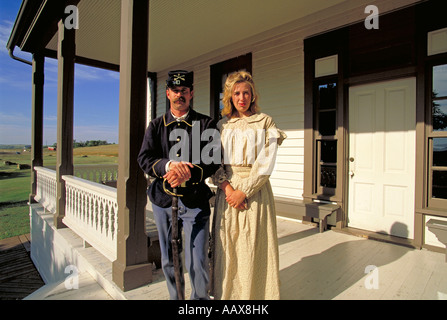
(176,242)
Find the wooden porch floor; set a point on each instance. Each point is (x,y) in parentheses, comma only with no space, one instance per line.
(334,265)
(313,265)
(18,275)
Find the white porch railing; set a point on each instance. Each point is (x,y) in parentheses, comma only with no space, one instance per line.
(91,209)
(91,212)
(46,188)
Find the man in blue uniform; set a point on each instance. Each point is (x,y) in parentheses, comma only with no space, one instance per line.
(176,152)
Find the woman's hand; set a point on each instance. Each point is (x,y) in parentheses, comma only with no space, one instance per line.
(237,200)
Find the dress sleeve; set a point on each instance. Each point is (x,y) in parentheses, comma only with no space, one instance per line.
(265,160)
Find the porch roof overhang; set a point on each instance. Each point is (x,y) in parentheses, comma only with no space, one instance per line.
(178,30)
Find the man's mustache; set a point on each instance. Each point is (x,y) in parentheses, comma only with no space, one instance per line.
(180,99)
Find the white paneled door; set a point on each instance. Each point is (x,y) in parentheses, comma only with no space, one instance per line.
(382,150)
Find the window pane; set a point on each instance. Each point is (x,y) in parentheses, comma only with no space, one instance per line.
(328,151)
(328,176)
(440,152)
(328,96)
(327,123)
(439,112)
(440,81)
(439,189)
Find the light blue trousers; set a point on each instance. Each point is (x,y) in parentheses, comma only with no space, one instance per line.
(195,225)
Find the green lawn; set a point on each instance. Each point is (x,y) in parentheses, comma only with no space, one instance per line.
(14,193)
(14,220)
(15,183)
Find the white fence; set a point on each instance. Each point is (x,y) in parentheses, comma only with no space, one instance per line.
(91,208)
(46,188)
(91,212)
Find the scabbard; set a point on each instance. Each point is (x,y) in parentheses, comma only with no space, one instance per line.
(176,241)
(211,256)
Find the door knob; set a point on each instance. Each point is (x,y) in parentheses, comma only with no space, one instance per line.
(351,173)
(351,159)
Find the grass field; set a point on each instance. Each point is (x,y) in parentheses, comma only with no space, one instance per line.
(15,183)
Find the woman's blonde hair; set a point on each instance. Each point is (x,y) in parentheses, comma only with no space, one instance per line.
(237,77)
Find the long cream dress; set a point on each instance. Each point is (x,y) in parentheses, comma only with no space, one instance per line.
(245,243)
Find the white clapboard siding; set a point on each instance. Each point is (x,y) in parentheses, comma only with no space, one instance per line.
(201,99)
(161,93)
(279,75)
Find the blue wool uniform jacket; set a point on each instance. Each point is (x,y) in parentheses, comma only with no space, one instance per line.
(167,139)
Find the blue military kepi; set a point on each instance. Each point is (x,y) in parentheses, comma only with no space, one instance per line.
(179,78)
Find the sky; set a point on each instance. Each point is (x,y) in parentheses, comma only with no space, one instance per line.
(96,94)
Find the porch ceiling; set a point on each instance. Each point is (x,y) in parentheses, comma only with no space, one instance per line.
(182,30)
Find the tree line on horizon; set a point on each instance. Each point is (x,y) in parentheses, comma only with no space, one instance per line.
(88,143)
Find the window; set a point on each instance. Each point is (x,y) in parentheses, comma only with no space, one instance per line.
(219,74)
(439,98)
(439,168)
(326,141)
(152,96)
(325,65)
(438,138)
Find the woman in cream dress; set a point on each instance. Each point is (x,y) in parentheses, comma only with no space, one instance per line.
(245,243)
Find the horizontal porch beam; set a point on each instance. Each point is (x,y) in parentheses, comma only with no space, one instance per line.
(85,61)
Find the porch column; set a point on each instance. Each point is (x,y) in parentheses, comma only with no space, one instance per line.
(65,88)
(36,120)
(131,269)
